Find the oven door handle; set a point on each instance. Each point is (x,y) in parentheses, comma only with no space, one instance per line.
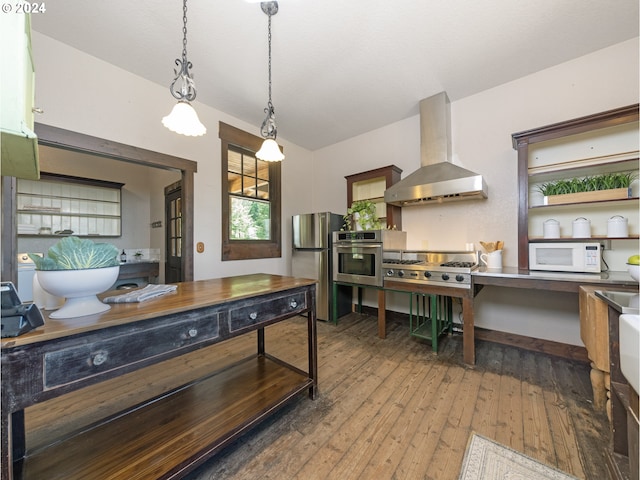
(359,245)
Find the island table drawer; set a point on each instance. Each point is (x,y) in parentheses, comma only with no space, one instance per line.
(79,362)
(267,311)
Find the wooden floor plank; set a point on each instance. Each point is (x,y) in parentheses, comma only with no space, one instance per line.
(387,376)
(389,449)
(376,446)
(451,447)
(586,426)
(509,430)
(416,460)
(538,442)
(561,426)
(485,417)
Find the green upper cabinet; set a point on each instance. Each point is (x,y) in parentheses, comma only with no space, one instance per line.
(19,144)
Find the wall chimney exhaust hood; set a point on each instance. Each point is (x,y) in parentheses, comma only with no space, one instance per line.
(438,180)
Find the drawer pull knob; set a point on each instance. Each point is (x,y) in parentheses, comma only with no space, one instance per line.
(193,332)
(253,315)
(293,304)
(99,359)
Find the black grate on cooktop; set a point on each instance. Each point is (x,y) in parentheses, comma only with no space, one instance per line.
(394,261)
(457,264)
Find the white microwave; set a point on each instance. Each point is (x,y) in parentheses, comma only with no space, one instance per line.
(565,257)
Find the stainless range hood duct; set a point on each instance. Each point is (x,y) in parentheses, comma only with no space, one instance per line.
(438,180)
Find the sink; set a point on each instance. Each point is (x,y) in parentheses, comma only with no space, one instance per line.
(630,349)
(624,302)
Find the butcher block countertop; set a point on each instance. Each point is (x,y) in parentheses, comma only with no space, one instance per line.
(188,296)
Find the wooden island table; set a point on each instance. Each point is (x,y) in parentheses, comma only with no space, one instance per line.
(171,434)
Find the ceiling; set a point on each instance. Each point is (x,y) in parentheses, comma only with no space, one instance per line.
(339,67)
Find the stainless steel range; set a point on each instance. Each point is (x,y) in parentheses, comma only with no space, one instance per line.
(441,268)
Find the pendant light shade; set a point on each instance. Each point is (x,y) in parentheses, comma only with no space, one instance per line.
(183,119)
(270,151)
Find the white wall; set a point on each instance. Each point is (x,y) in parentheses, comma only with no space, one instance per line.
(81,93)
(482,125)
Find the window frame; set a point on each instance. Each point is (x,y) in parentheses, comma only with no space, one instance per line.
(249,249)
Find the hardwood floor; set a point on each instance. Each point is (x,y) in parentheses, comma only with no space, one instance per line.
(391,409)
(387,409)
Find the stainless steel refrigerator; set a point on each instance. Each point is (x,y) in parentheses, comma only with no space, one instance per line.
(312,258)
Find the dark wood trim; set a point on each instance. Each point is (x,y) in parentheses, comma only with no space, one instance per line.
(9,271)
(609,118)
(60,138)
(249,249)
(240,138)
(188,213)
(523,205)
(549,347)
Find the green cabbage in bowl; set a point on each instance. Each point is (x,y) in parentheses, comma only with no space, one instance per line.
(73,253)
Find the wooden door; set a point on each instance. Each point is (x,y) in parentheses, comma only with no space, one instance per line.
(173,221)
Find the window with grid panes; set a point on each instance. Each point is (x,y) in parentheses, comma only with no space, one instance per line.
(248,187)
(251,221)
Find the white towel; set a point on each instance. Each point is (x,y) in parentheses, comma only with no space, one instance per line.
(141,295)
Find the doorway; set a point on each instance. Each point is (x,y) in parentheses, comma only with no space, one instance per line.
(77,142)
(173,232)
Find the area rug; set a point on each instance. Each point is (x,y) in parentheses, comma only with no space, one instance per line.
(488,460)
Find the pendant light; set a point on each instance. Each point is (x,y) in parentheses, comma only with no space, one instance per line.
(270,151)
(183,119)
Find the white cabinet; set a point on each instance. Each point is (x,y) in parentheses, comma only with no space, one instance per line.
(58,203)
(18,141)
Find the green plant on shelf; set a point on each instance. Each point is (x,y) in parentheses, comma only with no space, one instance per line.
(607,181)
(361,215)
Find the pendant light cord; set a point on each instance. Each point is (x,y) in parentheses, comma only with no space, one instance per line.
(269,38)
(184,31)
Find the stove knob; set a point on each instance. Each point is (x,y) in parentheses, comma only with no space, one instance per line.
(400,273)
(427,274)
(445,276)
(459,278)
(389,273)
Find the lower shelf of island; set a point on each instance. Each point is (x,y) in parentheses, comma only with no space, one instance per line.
(172,434)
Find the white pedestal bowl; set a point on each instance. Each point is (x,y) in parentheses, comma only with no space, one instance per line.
(79,288)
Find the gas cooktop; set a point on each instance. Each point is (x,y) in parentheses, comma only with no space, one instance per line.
(443,268)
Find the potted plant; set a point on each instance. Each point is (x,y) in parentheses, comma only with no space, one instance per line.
(78,270)
(608,186)
(138,256)
(362,216)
